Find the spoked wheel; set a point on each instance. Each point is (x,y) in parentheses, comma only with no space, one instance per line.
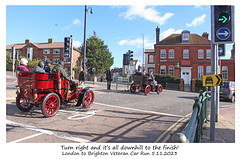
(132,88)
(159,89)
(23,104)
(147,90)
(50,105)
(88,98)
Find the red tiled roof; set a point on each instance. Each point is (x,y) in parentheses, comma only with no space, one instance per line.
(175,39)
(54,45)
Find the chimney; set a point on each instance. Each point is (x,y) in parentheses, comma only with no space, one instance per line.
(27,41)
(50,40)
(205,34)
(157,34)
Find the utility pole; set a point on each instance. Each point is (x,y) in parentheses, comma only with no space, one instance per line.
(71,48)
(84,51)
(143,54)
(85,30)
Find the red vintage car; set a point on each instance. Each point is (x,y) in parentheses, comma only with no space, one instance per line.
(49,92)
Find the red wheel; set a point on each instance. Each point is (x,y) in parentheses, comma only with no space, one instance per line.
(88,98)
(50,105)
(159,89)
(147,90)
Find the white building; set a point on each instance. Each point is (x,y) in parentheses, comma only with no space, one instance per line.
(133,67)
(149,60)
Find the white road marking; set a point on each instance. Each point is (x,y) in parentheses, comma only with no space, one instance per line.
(43,131)
(84,115)
(145,111)
(25,138)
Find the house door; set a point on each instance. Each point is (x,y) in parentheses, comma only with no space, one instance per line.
(186,75)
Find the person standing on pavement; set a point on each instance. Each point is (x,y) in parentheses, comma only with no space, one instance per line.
(81,76)
(23,65)
(109,78)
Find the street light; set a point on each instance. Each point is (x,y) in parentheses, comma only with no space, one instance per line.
(84,51)
(143,54)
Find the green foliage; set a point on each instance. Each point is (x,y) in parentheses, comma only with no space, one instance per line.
(199,82)
(162,79)
(98,55)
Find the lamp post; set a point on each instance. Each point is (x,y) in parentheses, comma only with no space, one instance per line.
(143,54)
(85,28)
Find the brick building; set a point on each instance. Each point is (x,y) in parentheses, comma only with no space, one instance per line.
(48,50)
(185,55)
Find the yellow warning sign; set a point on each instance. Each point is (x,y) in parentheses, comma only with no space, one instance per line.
(212,80)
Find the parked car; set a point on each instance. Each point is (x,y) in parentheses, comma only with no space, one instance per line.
(227,91)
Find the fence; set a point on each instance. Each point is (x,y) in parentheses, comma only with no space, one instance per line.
(194,129)
(122,82)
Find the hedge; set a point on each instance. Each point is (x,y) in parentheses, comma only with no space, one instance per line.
(162,79)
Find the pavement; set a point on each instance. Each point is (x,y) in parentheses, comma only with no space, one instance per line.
(224,128)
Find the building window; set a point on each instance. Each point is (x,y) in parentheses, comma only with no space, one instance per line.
(208,70)
(185,53)
(30,53)
(225,73)
(65,60)
(151,70)
(200,54)
(56,60)
(163,69)
(151,59)
(56,51)
(208,54)
(163,54)
(171,54)
(185,36)
(46,51)
(171,70)
(200,71)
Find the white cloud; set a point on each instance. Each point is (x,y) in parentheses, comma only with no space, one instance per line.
(197,21)
(149,14)
(137,43)
(76,21)
(76,43)
(169,32)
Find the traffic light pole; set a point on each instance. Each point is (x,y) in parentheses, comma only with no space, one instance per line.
(213,91)
(71,55)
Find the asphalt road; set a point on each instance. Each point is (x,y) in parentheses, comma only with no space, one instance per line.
(115,117)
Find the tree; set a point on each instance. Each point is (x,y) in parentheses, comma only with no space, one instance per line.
(98,55)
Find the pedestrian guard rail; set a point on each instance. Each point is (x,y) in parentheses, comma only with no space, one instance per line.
(122,83)
(194,130)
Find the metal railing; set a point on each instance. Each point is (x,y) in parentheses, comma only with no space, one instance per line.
(122,82)
(194,129)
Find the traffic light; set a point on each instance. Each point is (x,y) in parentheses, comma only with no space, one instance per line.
(221,50)
(125,59)
(223,24)
(66,47)
(130,54)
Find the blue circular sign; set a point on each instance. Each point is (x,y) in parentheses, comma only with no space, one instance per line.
(223,33)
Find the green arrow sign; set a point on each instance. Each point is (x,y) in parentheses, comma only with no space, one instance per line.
(223,19)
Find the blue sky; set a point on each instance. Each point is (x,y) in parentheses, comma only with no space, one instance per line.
(121,27)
